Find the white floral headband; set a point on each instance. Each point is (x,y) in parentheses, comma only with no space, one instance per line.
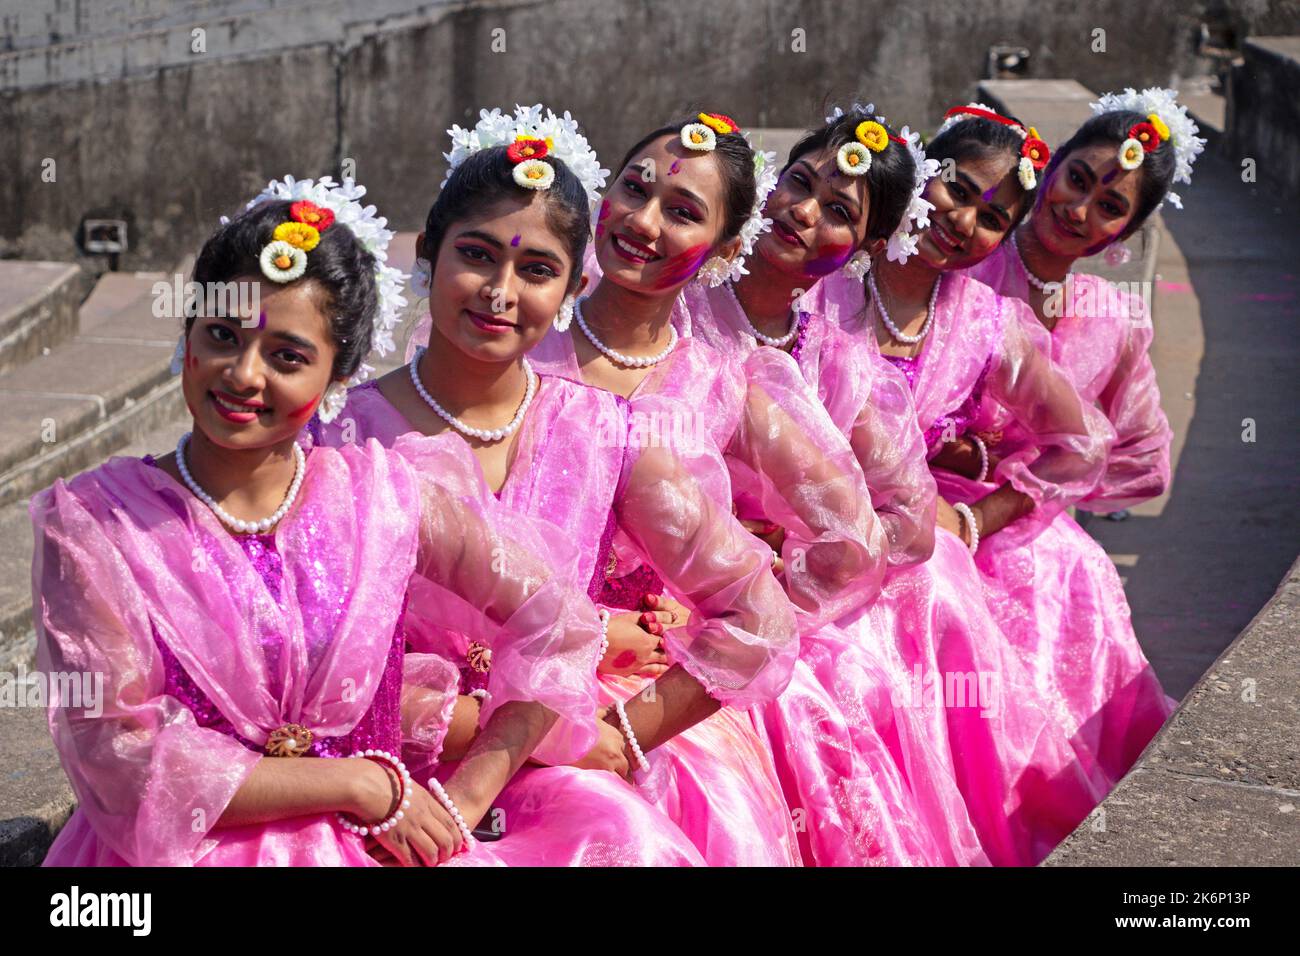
(531,134)
(335,205)
(1166,120)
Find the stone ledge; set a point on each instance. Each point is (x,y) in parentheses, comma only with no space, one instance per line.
(1220,783)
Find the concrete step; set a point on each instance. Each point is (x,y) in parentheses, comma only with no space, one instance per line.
(67,410)
(38,308)
(17,639)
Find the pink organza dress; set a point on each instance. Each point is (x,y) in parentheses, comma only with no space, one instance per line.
(860,776)
(949,665)
(979,355)
(207,641)
(580,466)
(1060,593)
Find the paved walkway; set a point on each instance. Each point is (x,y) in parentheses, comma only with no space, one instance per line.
(1200,562)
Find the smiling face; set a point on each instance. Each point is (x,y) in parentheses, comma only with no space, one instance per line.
(1087,204)
(662,218)
(255,386)
(819,217)
(972,213)
(499,279)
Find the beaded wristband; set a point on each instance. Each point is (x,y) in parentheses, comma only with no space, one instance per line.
(403,802)
(604,635)
(630,737)
(984,457)
(969,517)
(444,798)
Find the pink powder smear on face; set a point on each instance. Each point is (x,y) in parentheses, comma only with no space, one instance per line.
(305,411)
(601,217)
(681,267)
(828,259)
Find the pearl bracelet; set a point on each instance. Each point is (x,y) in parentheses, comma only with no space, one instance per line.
(403,801)
(984,457)
(630,737)
(969,517)
(604,635)
(436,788)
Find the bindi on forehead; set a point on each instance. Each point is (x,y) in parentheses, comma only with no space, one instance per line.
(514,243)
(672,170)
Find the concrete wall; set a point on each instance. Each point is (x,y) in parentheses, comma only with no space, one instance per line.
(169,139)
(1263,114)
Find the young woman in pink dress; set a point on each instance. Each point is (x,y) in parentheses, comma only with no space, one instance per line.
(860,773)
(967,350)
(501,260)
(930,620)
(1098,191)
(242,599)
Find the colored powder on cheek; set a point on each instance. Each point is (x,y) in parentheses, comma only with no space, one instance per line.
(626,659)
(601,217)
(827,260)
(514,243)
(191,361)
(305,412)
(681,267)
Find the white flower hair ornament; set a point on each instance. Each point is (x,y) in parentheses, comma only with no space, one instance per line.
(316,206)
(530,136)
(1165,120)
(902,244)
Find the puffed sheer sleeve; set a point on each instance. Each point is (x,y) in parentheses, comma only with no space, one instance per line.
(1068,439)
(430,687)
(1138,466)
(809,482)
(151,782)
(674,503)
(510,582)
(891,451)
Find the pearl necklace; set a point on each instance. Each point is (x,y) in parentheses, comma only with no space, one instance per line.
(482,434)
(775,341)
(618,358)
(1033,280)
(238,524)
(894,330)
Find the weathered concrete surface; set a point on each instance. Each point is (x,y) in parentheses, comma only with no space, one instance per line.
(1220,784)
(1263,109)
(145,129)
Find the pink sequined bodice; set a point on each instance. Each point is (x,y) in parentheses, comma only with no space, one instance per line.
(960,420)
(379,729)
